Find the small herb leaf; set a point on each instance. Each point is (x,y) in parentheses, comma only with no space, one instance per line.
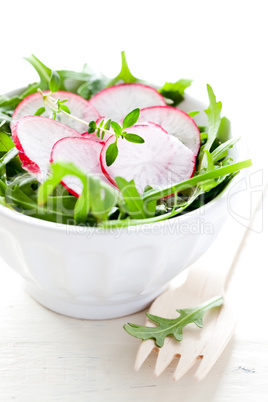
(116,127)
(65,108)
(40,111)
(134,138)
(131,118)
(54,82)
(92,126)
(111,153)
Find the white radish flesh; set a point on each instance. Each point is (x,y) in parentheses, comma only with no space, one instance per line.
(161,161)
(117,101)
(175,122)
(77,105)
(34,137)
(82,152)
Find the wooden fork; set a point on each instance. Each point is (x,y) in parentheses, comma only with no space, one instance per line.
(203,282)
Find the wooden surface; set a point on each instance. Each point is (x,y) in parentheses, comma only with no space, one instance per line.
(48,357)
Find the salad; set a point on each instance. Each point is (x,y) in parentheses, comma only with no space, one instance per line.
(82,149)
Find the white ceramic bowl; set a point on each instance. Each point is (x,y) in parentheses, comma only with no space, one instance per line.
(97,273)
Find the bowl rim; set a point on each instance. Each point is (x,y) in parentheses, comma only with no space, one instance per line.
(37,222)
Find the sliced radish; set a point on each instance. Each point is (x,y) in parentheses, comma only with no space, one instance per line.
(78,106)
(34,137)
(84,153)
(162,160)
(175,122)
(117,101)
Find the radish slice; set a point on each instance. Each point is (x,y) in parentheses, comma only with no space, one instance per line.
(78,106)
(34,137)
(175,122)
(84,153)
(162,160)
(117,101)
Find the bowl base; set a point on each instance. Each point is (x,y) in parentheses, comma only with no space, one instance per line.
(95,311)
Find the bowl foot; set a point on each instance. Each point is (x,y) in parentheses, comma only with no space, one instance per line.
(102,310)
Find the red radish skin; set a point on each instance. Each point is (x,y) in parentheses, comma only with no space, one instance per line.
(34,137)
(85,154)
(93,137)
(117,101)
(175,122)
(162,160)
(78,106)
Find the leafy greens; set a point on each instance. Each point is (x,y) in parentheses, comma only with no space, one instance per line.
(99,203)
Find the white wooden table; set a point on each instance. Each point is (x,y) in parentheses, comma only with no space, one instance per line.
(48,357)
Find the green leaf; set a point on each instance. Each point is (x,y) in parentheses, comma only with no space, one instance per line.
(58,172)
(193,113)
(111,153)
(103,199)
(92,126)
(116,127)
(224,130)
(99,128)
(133,203)
(40,111)
(11,154)
(125,75)
(214,115)
(173,326)
(97,197)
(134,138)
(6,142)
(131,118)
(106,126)
(65,108)
(196,180)
(54,82)
(175,91)
(43,71)
(222,150)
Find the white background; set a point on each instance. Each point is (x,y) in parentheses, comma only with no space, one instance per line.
(223,43)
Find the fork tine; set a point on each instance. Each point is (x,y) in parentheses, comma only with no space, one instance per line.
(186,362)
(213,350)
(164,358)
(144,350)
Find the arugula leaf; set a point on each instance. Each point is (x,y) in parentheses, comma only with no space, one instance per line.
(6,142)
(43,71)
(222,150)
(214,120)
(197,180)
(97,197)
(224,130)
(125,75)
(133,204)
(175,90)
(173,326)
